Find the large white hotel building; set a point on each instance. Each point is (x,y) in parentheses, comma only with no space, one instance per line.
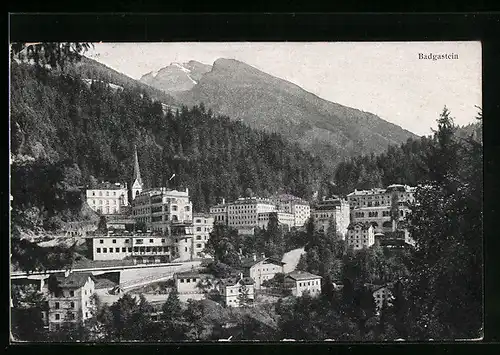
(245,214)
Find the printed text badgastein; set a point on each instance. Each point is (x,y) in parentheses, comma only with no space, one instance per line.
(432,56)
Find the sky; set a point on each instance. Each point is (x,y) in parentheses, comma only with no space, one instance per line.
(384,78)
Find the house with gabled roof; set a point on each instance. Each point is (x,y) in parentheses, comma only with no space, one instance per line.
(70,299)
(300,282)
(261,268)
(236,291)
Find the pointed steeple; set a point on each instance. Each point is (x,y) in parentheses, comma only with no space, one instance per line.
(137,171)
(137,182)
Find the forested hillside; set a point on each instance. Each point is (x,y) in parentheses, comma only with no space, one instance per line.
(89,132)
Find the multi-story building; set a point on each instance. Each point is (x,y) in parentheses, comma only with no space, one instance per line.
(360,235)
(107,198)
(150,247)
(381,293)
(72,302)
(300,282)
(160,207)
(285,220)
(219,212)
(380,216)
(381,197)
(335,209)
(261,269)
(203,224)
(300,209)
(236,290)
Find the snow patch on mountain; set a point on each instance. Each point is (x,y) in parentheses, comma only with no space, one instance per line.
(183,68)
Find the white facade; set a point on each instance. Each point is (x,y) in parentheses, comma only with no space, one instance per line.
(244,212)
(147,247)
(300,209)
(160,207)
(286,220)
(74,303)
(337,209)
(381,294)
(380,216)
(381,197)
(193,285)
(261,269)
(360,235)
(301,281)
(202,226)
(108,198)
(231,290)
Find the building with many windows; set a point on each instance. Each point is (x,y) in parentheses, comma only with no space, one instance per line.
(71,302)
(334,209)
(285,220)
(107,198)
(150,247)
(300,209)
(381,197)
(157,208)
(203,224)
(360,235)
(300,282)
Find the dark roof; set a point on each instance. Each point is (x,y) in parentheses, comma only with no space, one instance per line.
(232,281)
(249,262)
(193,274)
(363,225)
(74,280)
(302,275)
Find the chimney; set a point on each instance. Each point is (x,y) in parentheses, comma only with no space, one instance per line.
(223,200)
(254,257)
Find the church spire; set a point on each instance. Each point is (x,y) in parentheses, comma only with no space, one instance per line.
(137,183)
(137,171)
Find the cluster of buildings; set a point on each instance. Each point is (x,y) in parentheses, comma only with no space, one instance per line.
(241,287)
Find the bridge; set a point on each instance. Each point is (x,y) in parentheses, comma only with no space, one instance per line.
(131,276)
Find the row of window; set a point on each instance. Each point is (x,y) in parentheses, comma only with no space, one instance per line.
(136,250)
(309,283)
(107,193)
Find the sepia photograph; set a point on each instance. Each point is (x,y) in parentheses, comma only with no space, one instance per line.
(246,191)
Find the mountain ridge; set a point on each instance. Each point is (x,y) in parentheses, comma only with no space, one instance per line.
(263,101)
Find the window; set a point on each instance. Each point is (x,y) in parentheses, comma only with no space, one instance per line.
(110,250)
(129,250)
(163,240)
(182,280)
(174,208)
(185,249)
(198,221)
(124,250)
(198,237)
(57,316)
(117,250)
(86,314)
(187,208)
(71,294)
(139,241)
(136,249)
(98,250)
(126,240)
(71,315)
(114,241)
(104,250)
(72,305)
(56,305)
(151,240)
(101,241)
(198,229)
(198,245)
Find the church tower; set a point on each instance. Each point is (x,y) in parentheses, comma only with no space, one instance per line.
(137,182)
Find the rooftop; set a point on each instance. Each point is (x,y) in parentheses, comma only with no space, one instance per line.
(74,280)
(105,185)
(302,275)
(232,281)
(363,226)
(194,274)
(249,262)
